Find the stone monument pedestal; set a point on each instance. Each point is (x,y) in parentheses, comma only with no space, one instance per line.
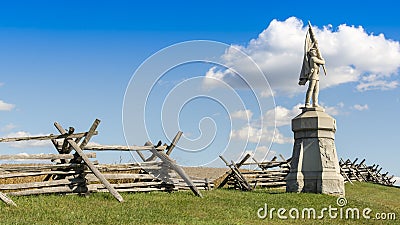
(314,166)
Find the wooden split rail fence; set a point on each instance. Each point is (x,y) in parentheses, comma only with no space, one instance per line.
(72,172)
(353,171)
(273,173)
(267,174)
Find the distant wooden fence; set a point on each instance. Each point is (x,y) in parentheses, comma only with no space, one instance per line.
(267,174)
(69,173)
(273,173)
(353,171)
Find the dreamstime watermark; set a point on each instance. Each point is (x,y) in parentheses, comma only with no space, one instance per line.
(339,211)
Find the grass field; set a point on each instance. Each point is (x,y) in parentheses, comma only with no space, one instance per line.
(217,207)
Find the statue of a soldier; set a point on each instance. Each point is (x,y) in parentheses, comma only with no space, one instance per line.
(311,68)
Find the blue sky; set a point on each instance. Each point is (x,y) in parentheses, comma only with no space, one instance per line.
(71,62)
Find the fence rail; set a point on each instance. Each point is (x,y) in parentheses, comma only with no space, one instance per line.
(353,171)
(77,172)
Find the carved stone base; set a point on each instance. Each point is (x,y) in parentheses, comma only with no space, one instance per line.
(314,166)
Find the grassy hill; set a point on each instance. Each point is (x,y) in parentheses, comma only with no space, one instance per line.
(217,207)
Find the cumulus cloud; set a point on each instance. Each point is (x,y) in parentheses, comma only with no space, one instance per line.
(272,120)
(360,107)
(27,144)
(334,110)
(281,116)
(6,106)
(269,130)
(374,82)
(352,55)
(242,114)
(254,134)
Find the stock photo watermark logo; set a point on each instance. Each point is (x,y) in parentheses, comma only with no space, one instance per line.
(196,88)
(339,211)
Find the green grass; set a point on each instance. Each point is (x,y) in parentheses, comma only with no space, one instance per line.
(217,207)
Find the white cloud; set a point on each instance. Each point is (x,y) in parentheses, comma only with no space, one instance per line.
(267,93)
(360,107)
(377,85)
(8,127)
(335,109)
(267,132)
(352,55)
(254,134)
(242,114)
(27,144)
(279,138)
(247,132)
(397,183)
(261,154)
(6,106)
(376,82)
(283,116)
(214,76)
(332,110)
